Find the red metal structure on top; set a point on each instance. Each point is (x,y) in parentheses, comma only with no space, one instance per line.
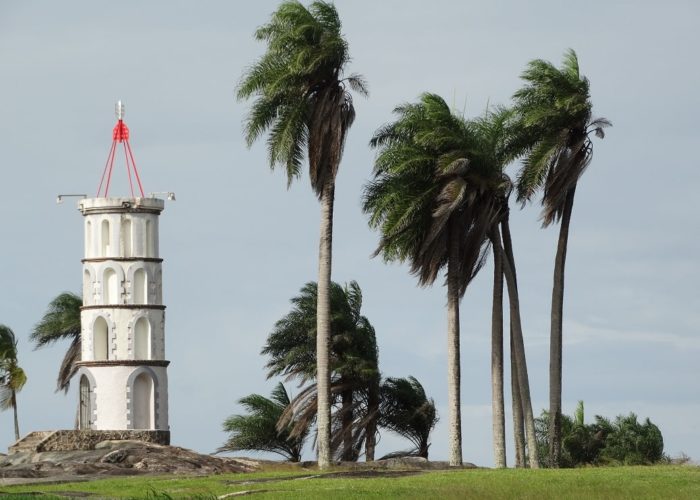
(120,135)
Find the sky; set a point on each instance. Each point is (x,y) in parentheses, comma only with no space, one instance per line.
(237,244)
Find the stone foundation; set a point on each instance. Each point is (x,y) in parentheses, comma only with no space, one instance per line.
(87,439)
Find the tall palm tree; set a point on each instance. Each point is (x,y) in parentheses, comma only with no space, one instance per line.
(430,199)
(258,430)
(12,377)
(302,98)
(353,362)
(407,411)
(498,422)
(553,128)
(492,150)
(61,321)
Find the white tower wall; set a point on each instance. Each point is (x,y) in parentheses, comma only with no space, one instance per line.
(123,368)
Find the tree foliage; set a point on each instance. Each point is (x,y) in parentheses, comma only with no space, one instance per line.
(552,127)
(406,410)
(291,350)
(431,184)
(61,321)
(624,441)
(12,376)
(301,94)
(258,429)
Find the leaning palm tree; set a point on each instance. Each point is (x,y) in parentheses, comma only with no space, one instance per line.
(61,321)
(12,377)
(303,100)
(491,132)
(353,362)
(430,199)
(552,129)
(258,429)
(407,411)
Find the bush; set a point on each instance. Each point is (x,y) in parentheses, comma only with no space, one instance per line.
(622,442)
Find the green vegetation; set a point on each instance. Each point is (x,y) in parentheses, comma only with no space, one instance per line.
(258,429)
(12,376)
(303,100)
(406,410)
(614,482)
(61,321)
(353,366)
(361,402)
(552,132)
(622,441)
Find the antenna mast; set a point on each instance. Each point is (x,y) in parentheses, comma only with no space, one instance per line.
(120,135)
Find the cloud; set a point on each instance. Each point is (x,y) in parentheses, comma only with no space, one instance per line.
(578,333)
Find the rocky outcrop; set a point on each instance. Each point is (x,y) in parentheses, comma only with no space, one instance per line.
(117,457)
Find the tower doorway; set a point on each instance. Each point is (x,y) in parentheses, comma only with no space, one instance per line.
(142,401)
(85,411)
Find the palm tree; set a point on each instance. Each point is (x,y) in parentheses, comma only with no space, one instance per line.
(12,377)
(407,411)
(492,150)
(353,361)
(258,430)
(303,100)
(497,399)
(61,321)
(552,130)
(431,200)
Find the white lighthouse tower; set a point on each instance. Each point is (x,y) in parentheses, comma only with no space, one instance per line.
(122,372)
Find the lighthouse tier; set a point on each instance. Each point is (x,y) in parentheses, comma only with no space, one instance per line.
(122,372)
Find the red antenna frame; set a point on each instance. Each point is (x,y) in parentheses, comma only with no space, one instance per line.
(120,135)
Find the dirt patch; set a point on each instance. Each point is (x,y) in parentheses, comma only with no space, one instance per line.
(361,474)
(269,479)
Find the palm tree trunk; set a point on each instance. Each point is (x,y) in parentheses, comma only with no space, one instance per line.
(453,354)
(518,425)
(323,328)
(519,345)
(555,340)
(14,408)
(373,410)
(347,425)
(497,410)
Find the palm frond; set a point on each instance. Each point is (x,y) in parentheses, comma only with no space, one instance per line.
(299,91)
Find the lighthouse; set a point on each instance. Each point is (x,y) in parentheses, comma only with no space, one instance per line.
(123,382)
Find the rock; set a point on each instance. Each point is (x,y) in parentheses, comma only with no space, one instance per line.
(114,457)
(124,443)
(117,458)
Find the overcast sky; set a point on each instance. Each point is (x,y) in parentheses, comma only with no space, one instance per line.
(238,245)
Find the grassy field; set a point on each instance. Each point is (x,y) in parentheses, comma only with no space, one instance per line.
(662,482)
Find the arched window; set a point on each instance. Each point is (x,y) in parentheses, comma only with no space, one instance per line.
(100,335)
(142,402)
(87,288)
(105,238)
(110,287)
(142,339)
(85,404)
(150,243)
(126,238)
(88,239)
(140,287)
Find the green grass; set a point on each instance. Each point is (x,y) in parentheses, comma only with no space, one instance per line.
(662,482)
